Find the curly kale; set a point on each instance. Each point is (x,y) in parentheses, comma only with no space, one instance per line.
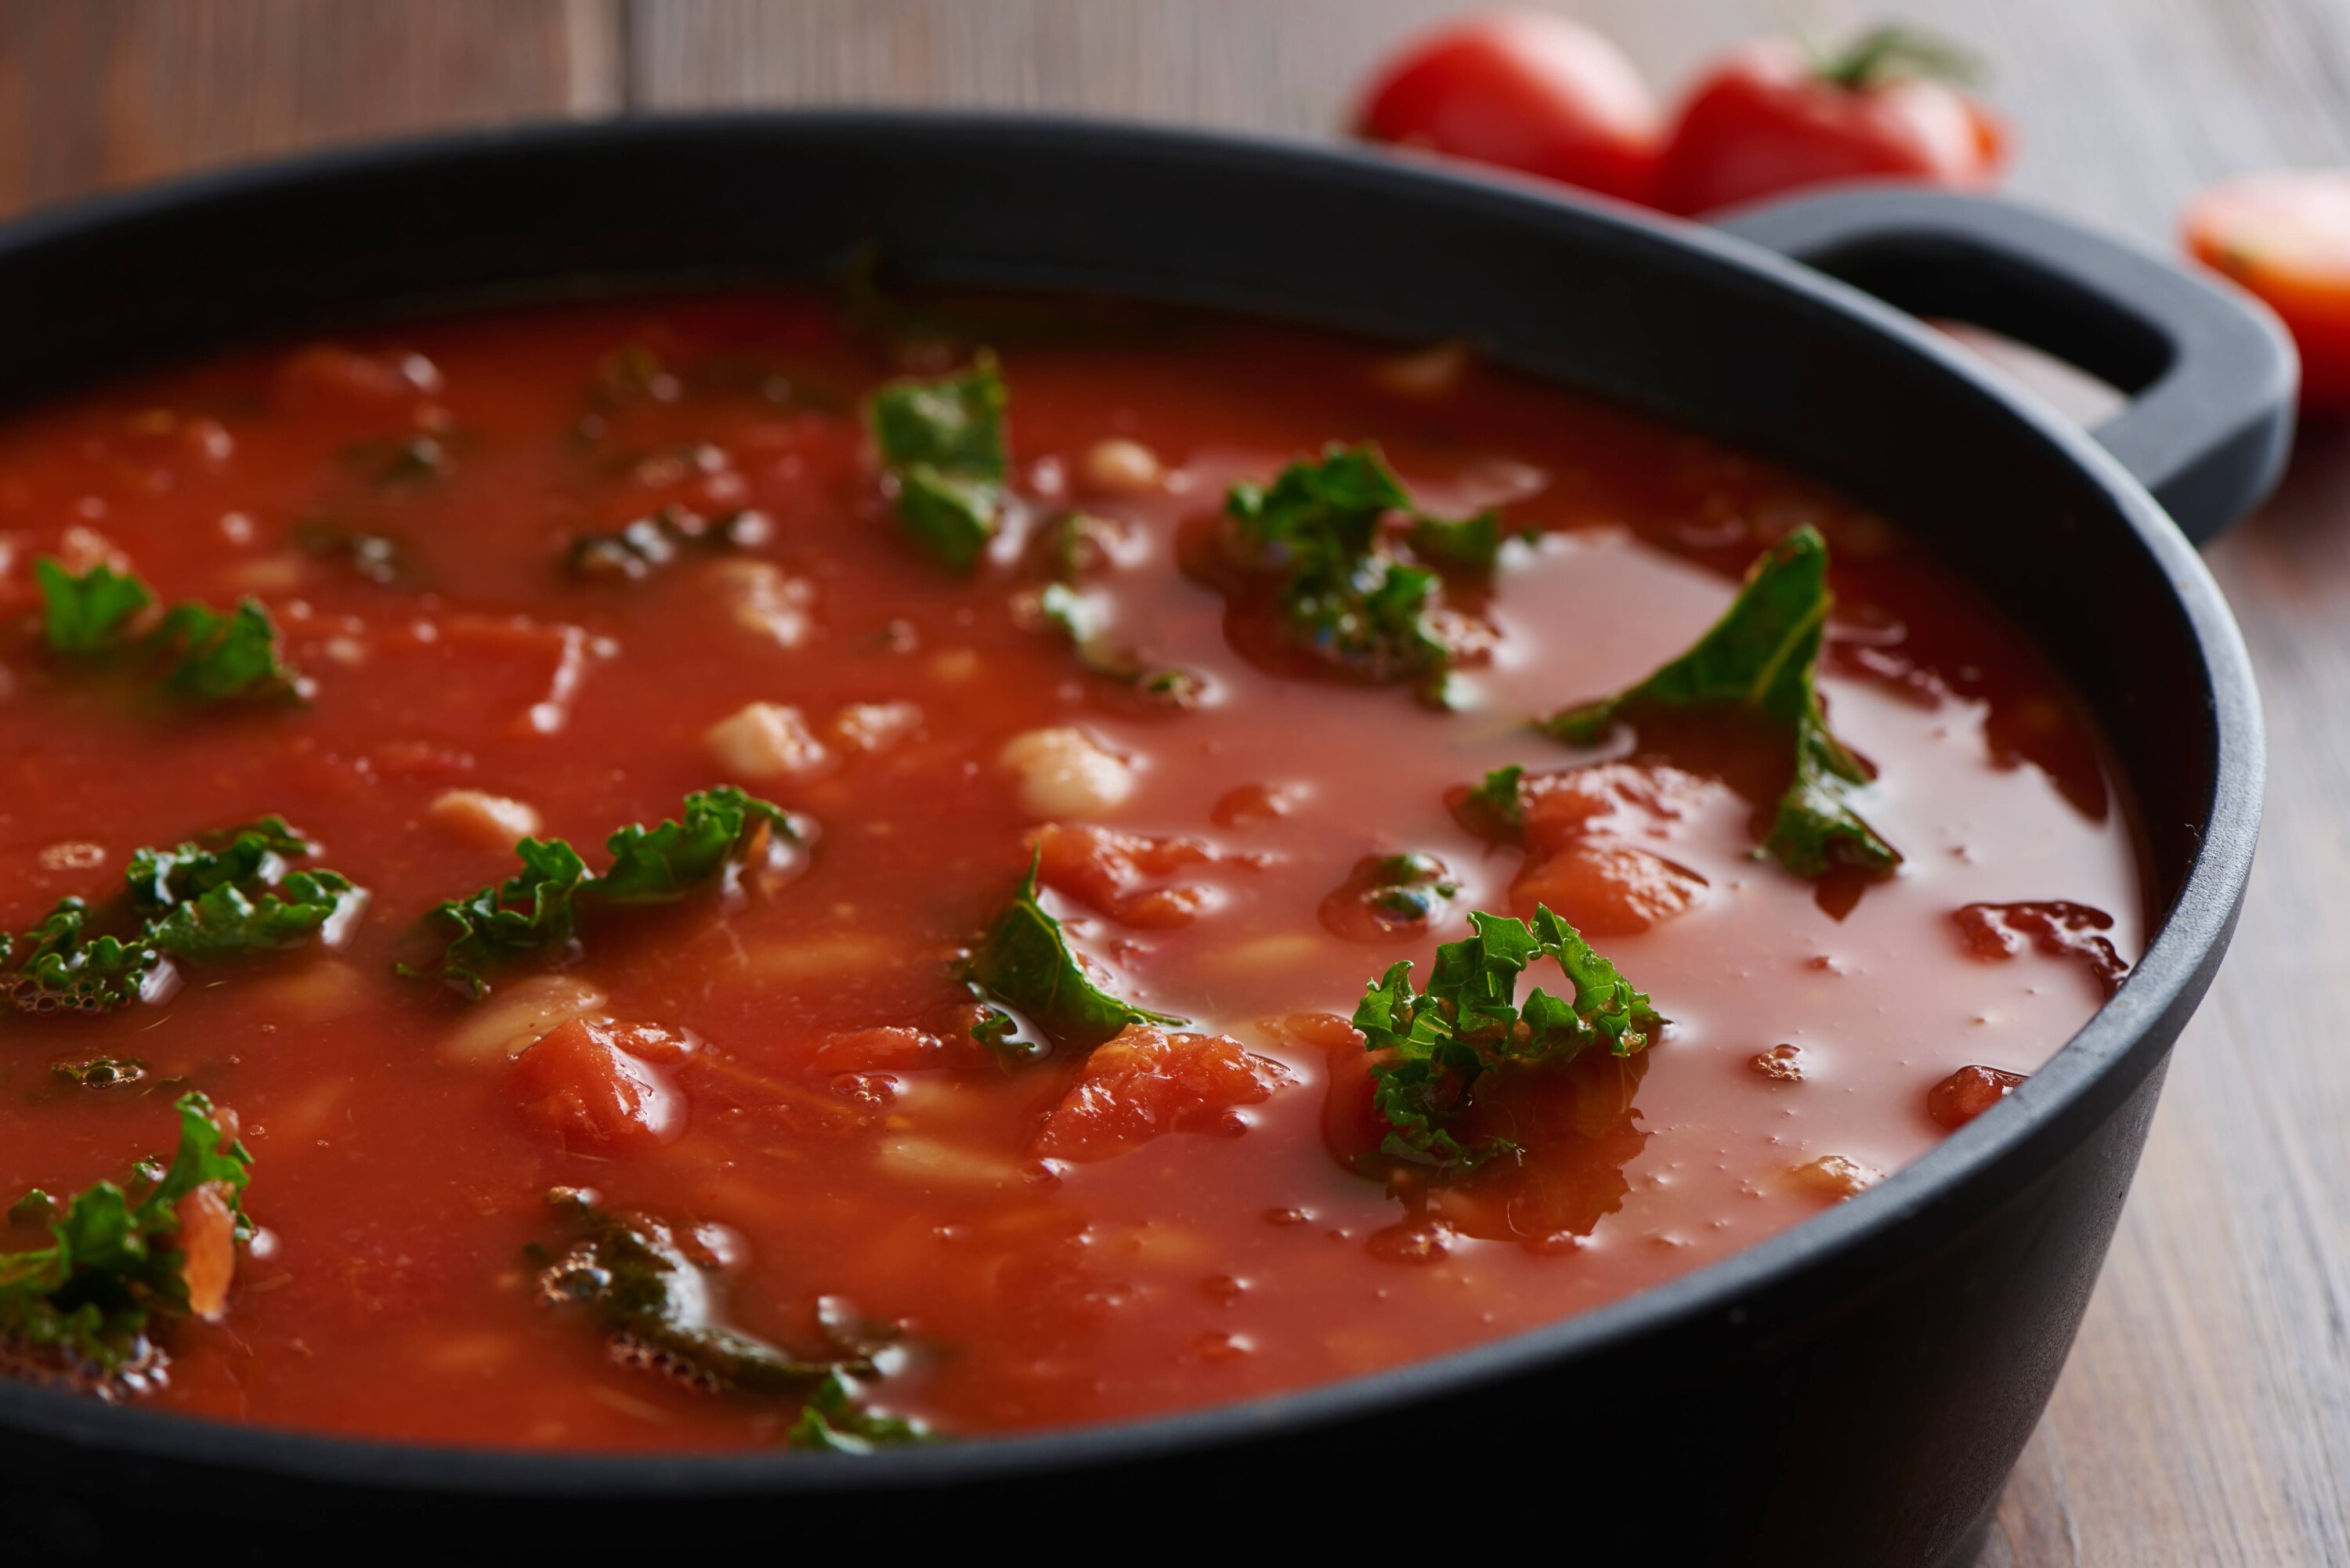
(80,1307)
(539,909)
(1435,1044)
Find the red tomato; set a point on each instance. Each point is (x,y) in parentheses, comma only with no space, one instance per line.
(1771,118)
(2286,238)
(1522,89)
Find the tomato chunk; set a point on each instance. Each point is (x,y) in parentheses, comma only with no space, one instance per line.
(1581,859)
(1114,873)
(2056,929)
(1147,1082)
(1968,1094)
(207,1245)
(601,1087)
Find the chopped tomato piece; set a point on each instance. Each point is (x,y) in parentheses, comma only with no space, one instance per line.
(1608,889)
(1351,1126)
(1108,871)
(891,1048)
(1968,1094)
(1835,1175)
(207,1246)
(1580,860)
(2058,929)
(601,1087)
(1147,1082)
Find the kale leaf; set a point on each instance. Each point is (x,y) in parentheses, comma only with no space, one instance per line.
(652,1288)
(540,907)
(60,966)
(1435,1044)
(650,1292)
(1761,657)
(1405,887)
(1498,806)
(535,910)
(636,550)
(203,902)
(1345,596)
(660,863)
(206,656)
(82,1305)
(230,893)
(1076,617)
(943,448)
(217,657)
(90,613)
(1025,963)
(1466,544)
(834,1421)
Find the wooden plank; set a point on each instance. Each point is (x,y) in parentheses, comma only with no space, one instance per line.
(100,93)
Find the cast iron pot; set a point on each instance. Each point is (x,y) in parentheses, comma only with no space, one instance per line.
(1853,1391)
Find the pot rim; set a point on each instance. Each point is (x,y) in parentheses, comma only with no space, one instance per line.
(2107,1059)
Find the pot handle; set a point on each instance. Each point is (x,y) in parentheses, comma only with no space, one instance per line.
(2210,376)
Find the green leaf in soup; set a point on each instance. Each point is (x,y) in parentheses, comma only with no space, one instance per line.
(715,828)
(1026,963)
(207,656)
(215,657)
(953,517)
(1464,544)
(202,903)
(1762,658)
(942,442)
(231,894)
(88,613)
(535,910)
(62,966)
(835,1420)
(540,908)
(1499,804)
(1345,596)
(1436,1044)
(1076,616)
(81,1305)
(641,1281)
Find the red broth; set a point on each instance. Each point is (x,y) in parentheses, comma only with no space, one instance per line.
(1040,1271)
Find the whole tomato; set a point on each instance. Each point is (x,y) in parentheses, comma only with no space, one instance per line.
(2285,237)
(1772,118)
(1522,89)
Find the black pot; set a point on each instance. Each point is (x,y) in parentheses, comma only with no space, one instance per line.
(1852,1391)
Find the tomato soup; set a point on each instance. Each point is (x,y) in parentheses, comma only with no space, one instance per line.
(1065,720)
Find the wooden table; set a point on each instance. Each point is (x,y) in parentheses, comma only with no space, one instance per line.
(2205,1417)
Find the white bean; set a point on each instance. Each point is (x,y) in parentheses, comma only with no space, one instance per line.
(1121,467)
(765,741)
(517,1016)
(477,816)
(1066,772)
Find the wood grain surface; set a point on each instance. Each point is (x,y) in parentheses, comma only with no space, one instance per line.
(2205,1415)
